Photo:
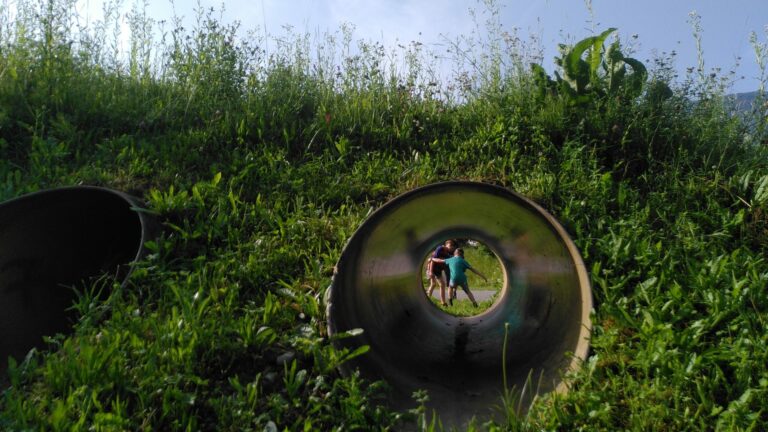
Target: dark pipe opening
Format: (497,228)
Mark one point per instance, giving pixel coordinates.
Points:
(545,302)
(50,242)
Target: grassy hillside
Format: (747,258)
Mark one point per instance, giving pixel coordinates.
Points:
(260,166)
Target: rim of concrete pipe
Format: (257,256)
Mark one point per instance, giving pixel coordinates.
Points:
(54,239)
(545,302)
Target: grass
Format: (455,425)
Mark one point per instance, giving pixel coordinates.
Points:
(464,307)
(260,167)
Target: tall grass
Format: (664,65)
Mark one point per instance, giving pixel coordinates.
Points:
(262,164)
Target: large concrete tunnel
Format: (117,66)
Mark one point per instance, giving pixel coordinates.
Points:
(545,301)
(51,242)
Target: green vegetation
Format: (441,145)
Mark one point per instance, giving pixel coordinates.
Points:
(261,165)
(463,307)
(582,81)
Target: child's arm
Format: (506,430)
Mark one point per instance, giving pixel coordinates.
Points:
(437,260)
(479,274)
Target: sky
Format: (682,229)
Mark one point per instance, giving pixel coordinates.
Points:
(650,27)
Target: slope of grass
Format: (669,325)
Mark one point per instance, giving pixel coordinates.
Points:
(261,167)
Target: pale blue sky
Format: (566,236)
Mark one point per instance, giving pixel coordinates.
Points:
(660,25)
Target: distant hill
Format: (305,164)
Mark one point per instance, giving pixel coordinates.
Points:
(743,101)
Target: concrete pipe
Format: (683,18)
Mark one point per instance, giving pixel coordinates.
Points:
(52,241)
(544,303)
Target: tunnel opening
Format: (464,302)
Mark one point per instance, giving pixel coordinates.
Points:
(52,244)
(476,290)
(541,315)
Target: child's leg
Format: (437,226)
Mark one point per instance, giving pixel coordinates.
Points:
(431,285)
(448,281)
(469,293)
(441,281)
(431,278)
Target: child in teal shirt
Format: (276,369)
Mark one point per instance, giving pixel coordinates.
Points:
(458,266)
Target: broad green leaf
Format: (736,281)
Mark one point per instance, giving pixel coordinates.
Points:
(761,193)
(597,52)
(575,70)
(636,80)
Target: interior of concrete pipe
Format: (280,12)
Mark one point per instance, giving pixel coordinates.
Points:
(543,306)
(51,243)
